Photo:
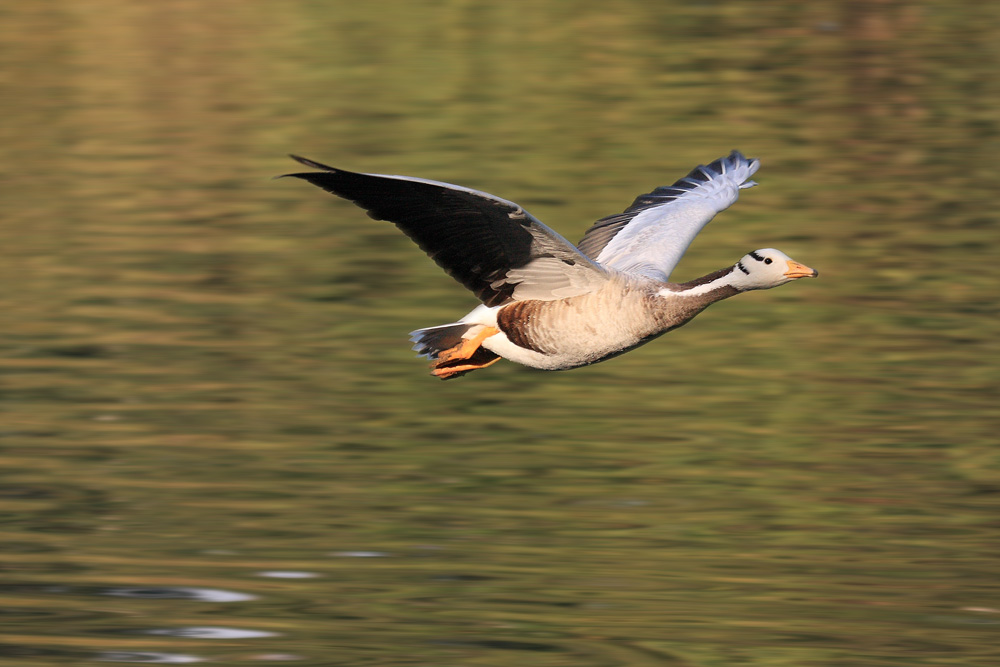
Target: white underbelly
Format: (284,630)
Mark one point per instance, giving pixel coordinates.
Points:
(550,361)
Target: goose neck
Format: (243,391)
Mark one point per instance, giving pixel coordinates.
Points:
(710,288)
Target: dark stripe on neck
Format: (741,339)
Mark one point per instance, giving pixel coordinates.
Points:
(742,268)
(715,275)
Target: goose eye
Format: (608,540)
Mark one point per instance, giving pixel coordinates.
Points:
(767,260)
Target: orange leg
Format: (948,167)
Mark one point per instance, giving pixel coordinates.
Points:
(467,347)
(449,372)
(449,362)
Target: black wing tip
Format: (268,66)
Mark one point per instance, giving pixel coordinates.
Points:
(736,158)
(718,167)
(311,163)
(304,175)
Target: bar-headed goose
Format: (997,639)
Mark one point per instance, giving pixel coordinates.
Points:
(549,304)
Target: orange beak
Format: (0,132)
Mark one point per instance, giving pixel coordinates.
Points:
(796,270)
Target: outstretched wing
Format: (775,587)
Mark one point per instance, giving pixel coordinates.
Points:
(652,234)
(492,246)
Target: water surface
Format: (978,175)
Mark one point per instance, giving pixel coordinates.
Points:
(217,446)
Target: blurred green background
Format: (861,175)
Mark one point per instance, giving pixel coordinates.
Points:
(218,446)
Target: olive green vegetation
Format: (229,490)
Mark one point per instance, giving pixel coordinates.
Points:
(206,374)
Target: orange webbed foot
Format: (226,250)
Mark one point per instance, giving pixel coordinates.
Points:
(469,355)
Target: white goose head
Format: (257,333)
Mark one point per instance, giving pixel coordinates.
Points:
(766,268)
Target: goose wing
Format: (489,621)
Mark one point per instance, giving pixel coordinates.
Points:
(492,246)
(651,235)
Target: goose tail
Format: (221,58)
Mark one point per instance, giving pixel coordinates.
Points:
(454,349)
(430,342)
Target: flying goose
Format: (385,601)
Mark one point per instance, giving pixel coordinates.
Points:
(549,304)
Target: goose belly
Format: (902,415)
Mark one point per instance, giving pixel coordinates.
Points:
(562,334)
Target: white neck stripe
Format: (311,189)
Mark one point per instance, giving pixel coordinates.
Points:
(698,290)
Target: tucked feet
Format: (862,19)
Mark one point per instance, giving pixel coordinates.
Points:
(469,355)
(481,359)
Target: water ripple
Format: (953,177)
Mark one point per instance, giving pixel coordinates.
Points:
(184,593)
(207,632)
(360,554)
(148,656)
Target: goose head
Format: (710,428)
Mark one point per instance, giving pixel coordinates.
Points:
(766,268)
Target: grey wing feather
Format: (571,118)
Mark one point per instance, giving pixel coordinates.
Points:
(652,234)
(492,246)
